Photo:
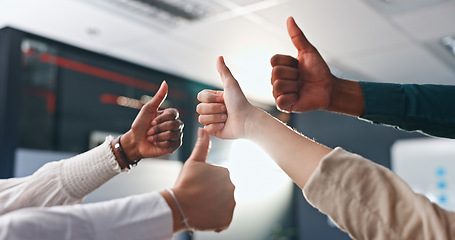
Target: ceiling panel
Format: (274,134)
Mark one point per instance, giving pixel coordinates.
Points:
(75,23)
(245,2)
(428,23)
(403,64)
(391,7)
(170,54)
(338,27)
(356,37)
(246,46)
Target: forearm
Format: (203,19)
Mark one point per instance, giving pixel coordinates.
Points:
(60,183)
(428,108)
(347,98)
(85,172)
(176,218)
(296,154)
(371,202)
(137,217)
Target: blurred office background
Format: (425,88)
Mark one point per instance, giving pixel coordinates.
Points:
(75,71)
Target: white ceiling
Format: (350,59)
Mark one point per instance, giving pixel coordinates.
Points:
(372,40)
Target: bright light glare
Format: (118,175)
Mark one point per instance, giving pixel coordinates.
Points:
(252,66)
(263,194)
(254,173)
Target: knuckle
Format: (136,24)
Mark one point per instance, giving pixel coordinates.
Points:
(201,119)
(274,93)
(168,135)
(275,71)
(279,85)
(164,144)
(174,145)
(174,125)
(174,113)
(134,127)
(199,108)
(276,84)
(274,59)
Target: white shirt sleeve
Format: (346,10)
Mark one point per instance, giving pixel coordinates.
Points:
(145,216)
(60,183)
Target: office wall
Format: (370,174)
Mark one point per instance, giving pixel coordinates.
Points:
(358,136)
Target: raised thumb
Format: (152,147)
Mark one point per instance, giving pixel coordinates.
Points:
(151,108)
(201,148)
(226,76)
(297,37)
(157,100)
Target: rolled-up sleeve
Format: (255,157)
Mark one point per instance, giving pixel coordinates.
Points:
(369,201)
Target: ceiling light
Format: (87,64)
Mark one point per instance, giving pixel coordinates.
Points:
(158,12)
(181,9)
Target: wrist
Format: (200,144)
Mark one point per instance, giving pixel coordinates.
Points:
(346,97)
(178,224)
(118,156)
(129,146)
(253,122)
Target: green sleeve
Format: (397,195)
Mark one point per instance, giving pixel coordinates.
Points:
(426,108)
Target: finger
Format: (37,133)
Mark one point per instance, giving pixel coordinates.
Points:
(210,108)
(167,115)
(285,102)
(155,102)
(285,60)
(174,125)
(226,76)
(215,127)
(285,72)
(201,148)
(171,145)
(165,136)
(150,109)
(298,38)
(159,97)
(210,96)
(281,87)
(212,118)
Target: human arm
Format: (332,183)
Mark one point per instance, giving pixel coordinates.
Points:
(153,133)
(426,108)
(204,192)
(297,155)
(369,201)
(364,199)
(305,83)
(144,216)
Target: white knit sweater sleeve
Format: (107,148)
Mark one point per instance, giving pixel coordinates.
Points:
(60,183)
